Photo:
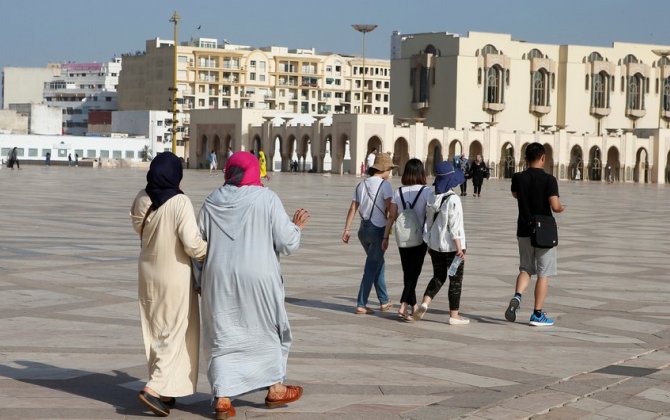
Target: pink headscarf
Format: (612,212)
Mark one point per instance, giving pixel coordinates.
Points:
(242,168)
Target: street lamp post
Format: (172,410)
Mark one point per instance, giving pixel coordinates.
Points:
(364,29)
(174,19)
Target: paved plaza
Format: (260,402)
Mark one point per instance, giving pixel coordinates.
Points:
(71,344)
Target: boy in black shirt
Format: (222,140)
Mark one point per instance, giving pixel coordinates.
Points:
(537,194)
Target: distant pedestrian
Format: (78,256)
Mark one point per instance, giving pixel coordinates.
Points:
(14,158)
(478,172)
(76,159)
(462,164)
(536,193)
(444,233)
(229,152)
(608,173)
(48,159)
(370,160)
(263,164)
(372,199)
(69,159)
(212,163)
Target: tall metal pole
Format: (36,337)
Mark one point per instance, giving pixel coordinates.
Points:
(175,19)
(364,29)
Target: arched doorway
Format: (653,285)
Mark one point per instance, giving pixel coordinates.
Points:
(276,154)
(614,164)
(326,154)
(203,153)
(523,165)
(476,149)
(430,165)
(641,172)
(374,143)
(304,153)
(576,168)
(400,154)
(455,148)
(227,142)
(595,164)
(548,159)
(507,162)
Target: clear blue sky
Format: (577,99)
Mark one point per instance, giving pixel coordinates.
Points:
(34,32)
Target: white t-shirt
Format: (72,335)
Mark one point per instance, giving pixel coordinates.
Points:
(371,160)
(365,192)
(409,192)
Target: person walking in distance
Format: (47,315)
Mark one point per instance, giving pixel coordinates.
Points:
(212,163)
(370,160)
(536,193)
(478,171)
(462,164)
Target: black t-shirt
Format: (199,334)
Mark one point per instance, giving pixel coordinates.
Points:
(533,187)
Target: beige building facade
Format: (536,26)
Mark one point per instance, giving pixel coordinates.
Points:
(485,78)
(214,76)
(24,85)
(640,155)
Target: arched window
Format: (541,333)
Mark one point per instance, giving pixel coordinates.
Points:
(494,85)
(430,49)
(539,87)
(666,94)
(635,93)
(595,56)
(535,53)
(489,49)
(630,58)
(600,92)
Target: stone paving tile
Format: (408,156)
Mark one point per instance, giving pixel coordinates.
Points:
(562,414)
(69,329)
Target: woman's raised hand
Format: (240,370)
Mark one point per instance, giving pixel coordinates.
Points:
(300,218)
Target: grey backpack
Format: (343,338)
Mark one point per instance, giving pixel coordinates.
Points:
(407,230)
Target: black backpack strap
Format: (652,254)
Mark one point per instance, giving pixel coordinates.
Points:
(445,198)
(402,199)
(411,206)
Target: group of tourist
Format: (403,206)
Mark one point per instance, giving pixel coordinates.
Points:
(230,256)
(425,219)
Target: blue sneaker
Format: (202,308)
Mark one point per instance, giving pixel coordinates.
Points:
(541,321)
(510,313)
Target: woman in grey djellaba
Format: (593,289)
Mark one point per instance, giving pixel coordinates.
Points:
(244,320)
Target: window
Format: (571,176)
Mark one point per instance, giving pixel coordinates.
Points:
(494,85)
(600,92)
(261,77)
(90,153)
(159,123)
(117,154)
(104,154)
(261,66)
(666,94)
(108,99)
(182,59)
(252,76)
(535,53)
(635,95)
(159,139)
(329,69)
(539,87)
(252,64)
(45,151)
(130,154)
(489,49)
(32,152)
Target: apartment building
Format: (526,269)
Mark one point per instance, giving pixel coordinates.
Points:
(24,85)
(213,75)
(82,87)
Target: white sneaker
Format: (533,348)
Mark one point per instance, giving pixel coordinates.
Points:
(420,312)
(458,321)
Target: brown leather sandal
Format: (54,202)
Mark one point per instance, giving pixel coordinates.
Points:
(293,393)
(224,409)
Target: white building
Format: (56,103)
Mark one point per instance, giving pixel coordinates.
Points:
(82,87)
(155,125)
(33,148)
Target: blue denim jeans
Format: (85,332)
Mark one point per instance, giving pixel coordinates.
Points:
(371,238)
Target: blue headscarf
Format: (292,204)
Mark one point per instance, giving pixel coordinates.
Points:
(163,178)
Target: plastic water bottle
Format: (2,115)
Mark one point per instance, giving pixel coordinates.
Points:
(454,266)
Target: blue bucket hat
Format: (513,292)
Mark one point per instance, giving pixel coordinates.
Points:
(447,177)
